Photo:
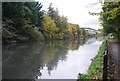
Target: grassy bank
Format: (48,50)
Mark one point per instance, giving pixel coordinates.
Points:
(96,68)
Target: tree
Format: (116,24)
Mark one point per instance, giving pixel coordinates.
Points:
(49,27)
(110,18)
(54,14)
(19,20)
(73,30)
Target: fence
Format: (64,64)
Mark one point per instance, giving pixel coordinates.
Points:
(105,63)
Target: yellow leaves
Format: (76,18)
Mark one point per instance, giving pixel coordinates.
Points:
(48,23)
(72,28)
(111,10)
(49,26)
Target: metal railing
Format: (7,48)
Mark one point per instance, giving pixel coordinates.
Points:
(105,63)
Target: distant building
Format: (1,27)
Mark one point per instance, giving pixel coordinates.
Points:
(92,31)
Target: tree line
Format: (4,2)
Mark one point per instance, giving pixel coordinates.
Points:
(110,18)
(26,21)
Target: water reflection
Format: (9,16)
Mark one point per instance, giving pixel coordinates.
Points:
(41,59)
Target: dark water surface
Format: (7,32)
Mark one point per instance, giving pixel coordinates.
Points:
(48,60)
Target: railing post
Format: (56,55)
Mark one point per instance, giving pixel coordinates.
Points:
(105,63)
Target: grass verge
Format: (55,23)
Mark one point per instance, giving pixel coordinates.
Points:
(96,68)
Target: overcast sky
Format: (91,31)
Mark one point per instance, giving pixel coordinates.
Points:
(76,11)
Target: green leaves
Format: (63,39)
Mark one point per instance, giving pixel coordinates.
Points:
(19,18)
(65,29)
(96,68)
(110,18)
(24,21)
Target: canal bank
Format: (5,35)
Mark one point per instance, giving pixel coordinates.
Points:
(113,59)
(96,68)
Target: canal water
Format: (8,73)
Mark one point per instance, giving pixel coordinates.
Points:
(58,59)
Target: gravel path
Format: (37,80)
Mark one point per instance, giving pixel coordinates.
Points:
(113,59)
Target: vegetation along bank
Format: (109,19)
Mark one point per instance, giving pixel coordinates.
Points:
(26,21)
(96,68)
